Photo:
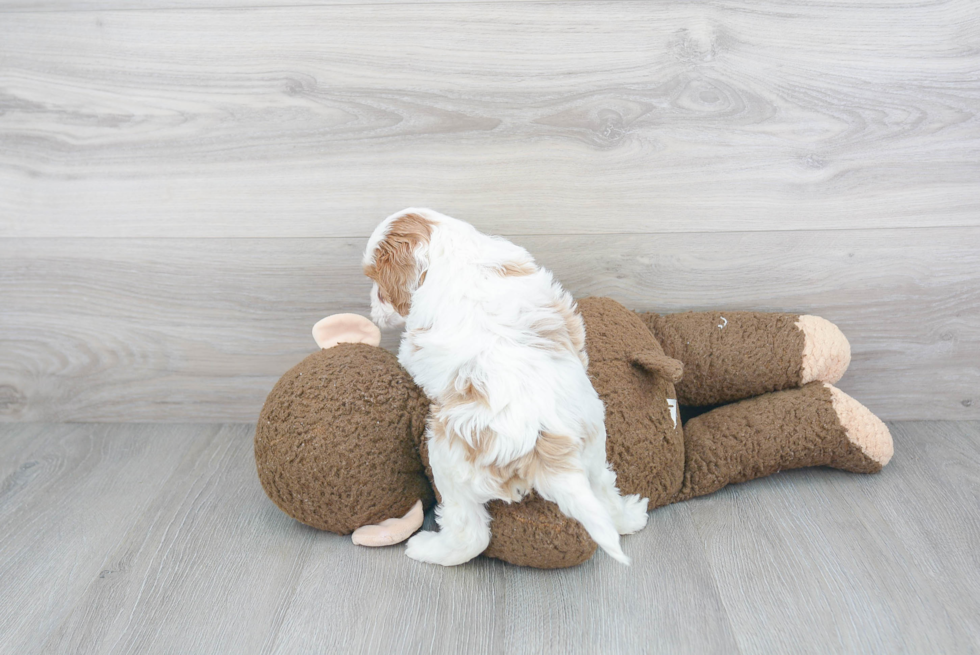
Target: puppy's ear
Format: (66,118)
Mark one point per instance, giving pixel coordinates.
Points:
(397,267)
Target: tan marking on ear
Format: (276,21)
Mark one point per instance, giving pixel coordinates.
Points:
(394,266)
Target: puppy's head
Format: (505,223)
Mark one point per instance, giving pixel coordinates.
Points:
(396,259)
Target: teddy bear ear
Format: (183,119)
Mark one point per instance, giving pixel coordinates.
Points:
(660,364)
(345,328)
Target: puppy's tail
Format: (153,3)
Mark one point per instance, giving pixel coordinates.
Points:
(573,495)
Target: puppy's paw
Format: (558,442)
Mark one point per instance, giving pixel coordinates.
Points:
(633,516)
(436,548)
(418,546)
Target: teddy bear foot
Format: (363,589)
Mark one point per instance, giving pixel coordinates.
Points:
(826,351)
(862,428)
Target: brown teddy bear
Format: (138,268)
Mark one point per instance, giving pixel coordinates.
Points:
(339,444)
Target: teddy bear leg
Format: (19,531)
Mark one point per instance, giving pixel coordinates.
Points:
(729,356)
(816,425)
(572,492)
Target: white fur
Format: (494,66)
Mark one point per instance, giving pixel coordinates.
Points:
(468,324)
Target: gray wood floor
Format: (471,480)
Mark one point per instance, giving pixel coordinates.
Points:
(158,539)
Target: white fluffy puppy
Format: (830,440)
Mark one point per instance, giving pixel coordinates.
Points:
(499,348)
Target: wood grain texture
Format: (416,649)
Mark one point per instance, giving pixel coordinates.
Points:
(20,6)
(525,118)
(823,551)
(73,494)
(205,538)
(181,329)
(159,539)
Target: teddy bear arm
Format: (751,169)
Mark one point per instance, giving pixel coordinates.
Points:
(816,425)
(729,356)
(390,531)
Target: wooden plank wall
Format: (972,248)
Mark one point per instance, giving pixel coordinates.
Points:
(185,190)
